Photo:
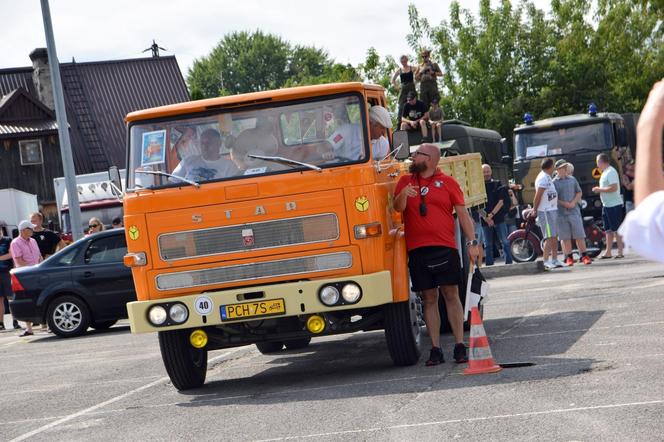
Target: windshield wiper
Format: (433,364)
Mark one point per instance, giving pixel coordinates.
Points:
(156,172)
(286,161)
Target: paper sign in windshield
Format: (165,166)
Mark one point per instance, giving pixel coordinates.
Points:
(536,151)
(153,148)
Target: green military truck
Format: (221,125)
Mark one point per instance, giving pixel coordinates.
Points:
(578,139)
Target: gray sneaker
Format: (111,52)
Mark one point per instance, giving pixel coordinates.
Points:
(557,263)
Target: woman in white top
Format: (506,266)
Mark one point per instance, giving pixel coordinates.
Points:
(643,229)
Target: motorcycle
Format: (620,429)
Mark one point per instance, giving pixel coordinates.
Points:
(526,243)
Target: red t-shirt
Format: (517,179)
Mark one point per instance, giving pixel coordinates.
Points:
(437,227)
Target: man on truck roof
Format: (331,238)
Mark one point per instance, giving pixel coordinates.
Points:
(428,198)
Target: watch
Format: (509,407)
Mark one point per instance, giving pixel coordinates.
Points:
(472,243)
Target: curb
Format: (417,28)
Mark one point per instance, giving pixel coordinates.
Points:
(525,268)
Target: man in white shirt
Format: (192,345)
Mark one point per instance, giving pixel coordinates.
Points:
(546,205)
(379,121)
(210,164)
(612,204)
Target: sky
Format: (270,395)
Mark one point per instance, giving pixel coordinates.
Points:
(95,30)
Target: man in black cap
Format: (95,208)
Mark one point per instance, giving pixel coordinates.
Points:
(415,115)
(427,74)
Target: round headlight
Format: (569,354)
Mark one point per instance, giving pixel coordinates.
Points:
(329,295)
(597,203)
(157,315)
(351,293)
(178,313)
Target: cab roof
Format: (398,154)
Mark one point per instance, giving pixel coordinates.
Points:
(250,98)
(566,121)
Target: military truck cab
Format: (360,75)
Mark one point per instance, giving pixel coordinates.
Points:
(576,138)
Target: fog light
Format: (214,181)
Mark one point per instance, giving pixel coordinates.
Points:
(198,339)
(316,324)
(597,203)
(329,295)
(351,293)
(157,315)
(178,313)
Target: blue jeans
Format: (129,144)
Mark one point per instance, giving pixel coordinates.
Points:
(501,230)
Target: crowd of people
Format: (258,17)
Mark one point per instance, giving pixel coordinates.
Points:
(32,245)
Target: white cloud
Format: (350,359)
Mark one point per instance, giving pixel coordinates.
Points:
(95,30)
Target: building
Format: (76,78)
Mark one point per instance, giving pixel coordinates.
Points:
(98,95)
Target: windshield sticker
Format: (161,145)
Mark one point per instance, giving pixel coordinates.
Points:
(362,204)
(255,171)
(556,151)
(153,148)
(536,151)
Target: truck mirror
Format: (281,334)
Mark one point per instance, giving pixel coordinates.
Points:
(507,160)
(400,140)
(621,136)
(114,178)
(504,148)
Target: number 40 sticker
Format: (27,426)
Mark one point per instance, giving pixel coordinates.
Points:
(203,305)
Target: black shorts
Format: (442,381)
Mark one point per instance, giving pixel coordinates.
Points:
(433,266)
(5,285)
(612,217)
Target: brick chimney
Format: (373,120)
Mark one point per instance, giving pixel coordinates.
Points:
(41,76)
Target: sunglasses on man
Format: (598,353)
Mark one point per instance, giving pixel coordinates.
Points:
(93,225)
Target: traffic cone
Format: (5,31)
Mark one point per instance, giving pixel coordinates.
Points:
(480,360)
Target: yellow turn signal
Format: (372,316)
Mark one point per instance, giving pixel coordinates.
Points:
(198,339)
(315,324)
(370,230)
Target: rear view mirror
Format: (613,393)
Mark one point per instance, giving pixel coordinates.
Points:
(504,147)
(621,136)
(114,178)
(400,141)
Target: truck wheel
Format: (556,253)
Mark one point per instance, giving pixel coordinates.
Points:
(297,344)
(68,316)
(403,332)
(185,365)
(103,325)
(269,347)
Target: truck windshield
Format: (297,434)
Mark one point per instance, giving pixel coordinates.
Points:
(563,141)
(240,142)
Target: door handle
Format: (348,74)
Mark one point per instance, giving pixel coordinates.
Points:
(88,274)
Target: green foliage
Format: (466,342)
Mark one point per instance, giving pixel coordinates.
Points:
(249,62)
(379,71)
(513,59)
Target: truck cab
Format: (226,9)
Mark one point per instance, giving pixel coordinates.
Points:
(576,138)
(266,219)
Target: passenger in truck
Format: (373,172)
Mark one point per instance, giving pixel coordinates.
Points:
(210,164)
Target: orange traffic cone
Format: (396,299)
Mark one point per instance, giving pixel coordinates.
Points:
(480,360)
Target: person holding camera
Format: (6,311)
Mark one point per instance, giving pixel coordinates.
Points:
(427,74)
(428,199)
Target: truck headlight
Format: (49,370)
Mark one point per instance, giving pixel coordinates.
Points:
(157,315)
(178,313)
(329,295)
(351,293)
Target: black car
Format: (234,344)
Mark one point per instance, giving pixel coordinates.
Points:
(84,285)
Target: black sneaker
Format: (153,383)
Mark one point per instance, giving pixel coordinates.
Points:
(460,354)
(16,325)
(435,357)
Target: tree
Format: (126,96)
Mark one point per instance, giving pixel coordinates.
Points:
(249,62)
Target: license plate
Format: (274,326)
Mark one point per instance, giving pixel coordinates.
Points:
(252,309)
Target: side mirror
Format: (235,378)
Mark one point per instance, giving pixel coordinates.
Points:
(114,178)
(504,148)
(507,160)
(621,136)
(400,138)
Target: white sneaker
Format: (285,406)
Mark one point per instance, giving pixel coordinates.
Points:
(557,263)
(549,265)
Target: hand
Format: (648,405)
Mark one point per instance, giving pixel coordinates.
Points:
(411,191)
(490,222)
(653,111)
(413,124)
(595,189)
(473,253)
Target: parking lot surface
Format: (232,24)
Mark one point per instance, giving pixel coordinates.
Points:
(594,335)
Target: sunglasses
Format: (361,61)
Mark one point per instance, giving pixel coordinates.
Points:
(416,153)
(93,225)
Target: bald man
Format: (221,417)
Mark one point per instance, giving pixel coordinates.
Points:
(497,206)
(428,199)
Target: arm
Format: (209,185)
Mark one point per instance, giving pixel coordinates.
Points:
(394,78)
(61,245)
(6,257)
(648,170)
(418,73)
(436,71)
(575,201)
(401,200)
(538,197)
(610,188)
(468,229)
(20,261)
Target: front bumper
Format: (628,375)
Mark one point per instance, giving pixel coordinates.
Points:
(301,298)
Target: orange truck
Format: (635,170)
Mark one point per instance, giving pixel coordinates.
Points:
(265,219)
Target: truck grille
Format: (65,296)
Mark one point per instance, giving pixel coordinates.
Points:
(245,272)
(266,234)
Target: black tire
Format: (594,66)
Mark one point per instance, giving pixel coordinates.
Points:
(403,332)
(297,344)
(185,365)
(68,316)
(103,325)
(522,250)
(269,347)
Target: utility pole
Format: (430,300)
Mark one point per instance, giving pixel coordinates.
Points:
(63,126)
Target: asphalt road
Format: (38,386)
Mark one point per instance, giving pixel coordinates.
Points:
(594,333)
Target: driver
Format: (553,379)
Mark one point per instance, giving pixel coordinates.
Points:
(254,142)
(347,140)
(210,164)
